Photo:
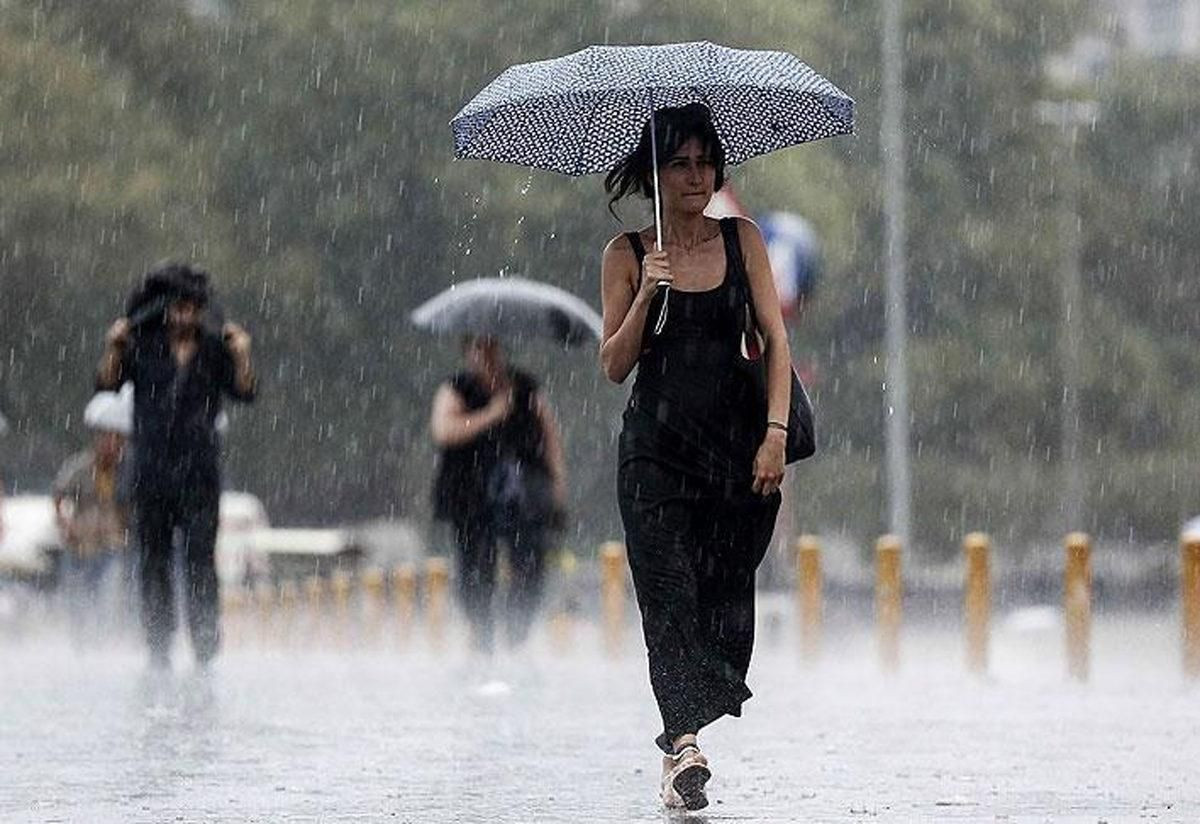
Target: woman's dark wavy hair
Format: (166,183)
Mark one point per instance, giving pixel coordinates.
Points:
(672,128)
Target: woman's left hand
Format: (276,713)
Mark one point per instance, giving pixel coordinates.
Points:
(768,463)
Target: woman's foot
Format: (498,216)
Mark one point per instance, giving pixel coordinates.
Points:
(684,775)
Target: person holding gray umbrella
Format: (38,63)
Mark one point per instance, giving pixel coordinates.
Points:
(501,479)
(501,475)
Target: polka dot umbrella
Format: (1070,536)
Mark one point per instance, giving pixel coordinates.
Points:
(584,112)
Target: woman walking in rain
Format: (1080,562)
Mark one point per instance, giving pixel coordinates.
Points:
(501,477)
(700,463)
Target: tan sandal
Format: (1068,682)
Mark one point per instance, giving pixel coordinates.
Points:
(684,777)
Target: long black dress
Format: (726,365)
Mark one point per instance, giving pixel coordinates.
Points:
(694,529)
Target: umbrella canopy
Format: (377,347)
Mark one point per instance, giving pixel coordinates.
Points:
(584,112)
(509,308)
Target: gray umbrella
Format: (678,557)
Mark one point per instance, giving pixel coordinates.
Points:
(513,308)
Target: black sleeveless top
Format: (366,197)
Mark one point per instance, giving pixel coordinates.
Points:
(461,485)
(691,406)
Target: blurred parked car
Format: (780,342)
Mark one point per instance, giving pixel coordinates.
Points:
(389,542)
(1191,529)
(29,546)
(300,552)
(238,560)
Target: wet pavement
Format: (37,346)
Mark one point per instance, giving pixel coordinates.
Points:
(562,732)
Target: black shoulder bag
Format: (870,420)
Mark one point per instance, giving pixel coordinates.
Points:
(801,433)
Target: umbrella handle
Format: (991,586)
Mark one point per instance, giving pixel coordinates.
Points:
(662,313)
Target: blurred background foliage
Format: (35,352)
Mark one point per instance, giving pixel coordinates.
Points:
(300,151)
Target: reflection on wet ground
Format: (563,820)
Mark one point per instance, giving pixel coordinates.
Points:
(312,735)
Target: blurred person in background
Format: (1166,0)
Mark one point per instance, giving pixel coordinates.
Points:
(501,478)
(182,360)
(92,521)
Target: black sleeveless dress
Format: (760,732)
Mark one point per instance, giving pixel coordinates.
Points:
(695,531)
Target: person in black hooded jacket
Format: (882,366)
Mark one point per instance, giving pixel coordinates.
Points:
(182,361)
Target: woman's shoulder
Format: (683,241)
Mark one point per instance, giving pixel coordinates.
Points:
(622,243)
(745,225)
(748,231)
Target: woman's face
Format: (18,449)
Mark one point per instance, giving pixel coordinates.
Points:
(484,355)
(687,178)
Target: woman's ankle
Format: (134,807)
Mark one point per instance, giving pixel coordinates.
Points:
(684,741)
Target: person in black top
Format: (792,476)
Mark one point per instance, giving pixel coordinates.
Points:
(501,478)
(699,465)
(182,362)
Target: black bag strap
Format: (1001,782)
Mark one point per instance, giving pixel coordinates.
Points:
(639,250)
(737,270)
(735,260)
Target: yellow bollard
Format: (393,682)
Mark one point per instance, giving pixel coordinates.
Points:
(977,600)
(289,597)
(1190,603)
(404,598)
(437,583)
(373,607)
(341,585)
(233,618)
(888,598)
(808,595)
(264,600)
(562,620)
(1077,604)
(314,591)
(314,605)
(612,593)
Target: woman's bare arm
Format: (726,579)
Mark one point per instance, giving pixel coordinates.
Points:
(768,466)
(556,461)
(625,297)
(452,424)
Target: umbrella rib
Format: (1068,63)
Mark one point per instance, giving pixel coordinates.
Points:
(587,130)
(707,103)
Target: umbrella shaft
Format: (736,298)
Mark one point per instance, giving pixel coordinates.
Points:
(654,171)
(662,313)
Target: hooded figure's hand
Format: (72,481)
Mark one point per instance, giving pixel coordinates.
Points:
(237,339)
(118,334)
